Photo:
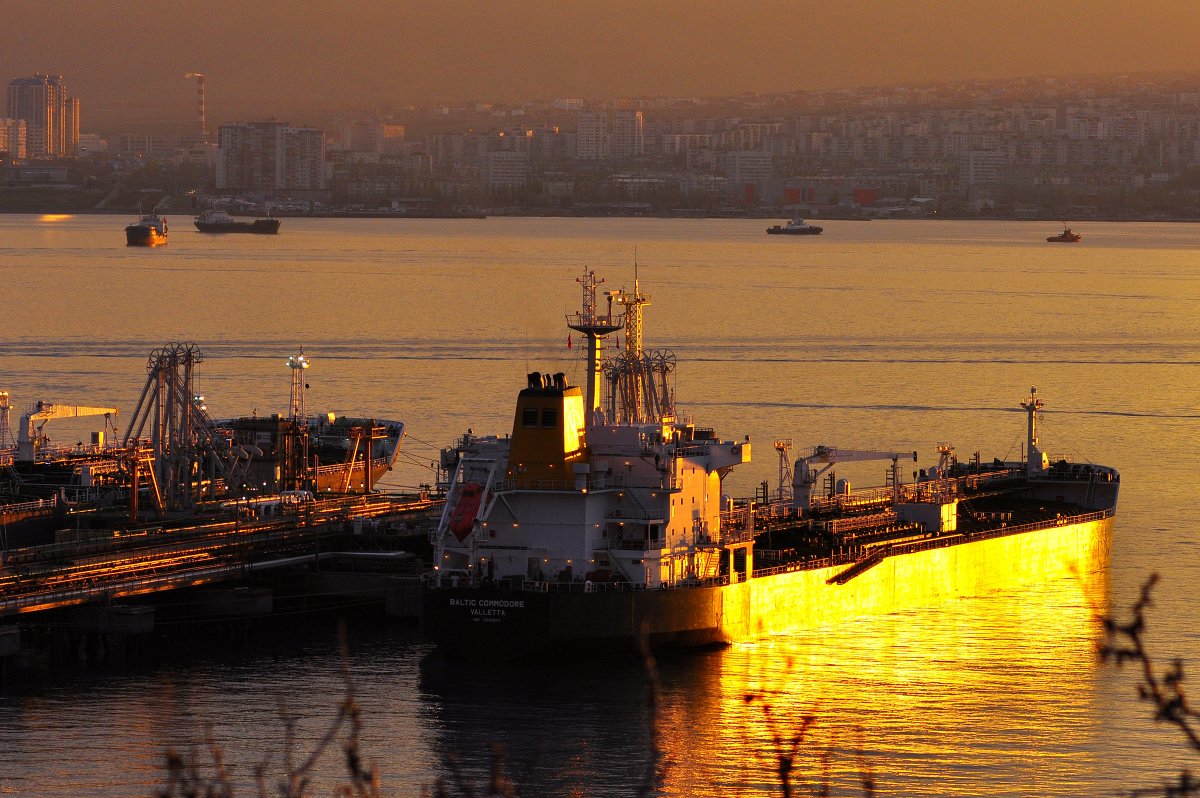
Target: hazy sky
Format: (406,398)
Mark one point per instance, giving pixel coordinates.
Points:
(276,57)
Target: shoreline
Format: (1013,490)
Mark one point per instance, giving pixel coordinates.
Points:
(592,214)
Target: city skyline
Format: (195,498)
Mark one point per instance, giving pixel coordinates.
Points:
(276,59)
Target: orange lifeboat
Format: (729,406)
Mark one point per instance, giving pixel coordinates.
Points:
(463,516)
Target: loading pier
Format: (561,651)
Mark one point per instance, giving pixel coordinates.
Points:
(137,560)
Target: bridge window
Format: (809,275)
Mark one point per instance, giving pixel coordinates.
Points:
(529,417)
(550,417)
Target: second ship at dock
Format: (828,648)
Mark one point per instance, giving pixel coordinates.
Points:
(175,458)
(602,522)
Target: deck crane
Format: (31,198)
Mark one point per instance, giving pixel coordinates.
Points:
(806,474)
(31,440)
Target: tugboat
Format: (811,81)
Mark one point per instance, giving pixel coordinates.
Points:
(1067,236)
(796,227)
(149,230)
(602,523)
(215,221)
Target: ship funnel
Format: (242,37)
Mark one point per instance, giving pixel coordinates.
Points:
(533,380)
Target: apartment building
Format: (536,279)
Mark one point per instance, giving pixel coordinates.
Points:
(13,138)
(626,136)
(51,117)
(269,157)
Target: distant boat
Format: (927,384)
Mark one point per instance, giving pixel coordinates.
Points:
(796,227)
(1067,236)
(149,230)
(214,221)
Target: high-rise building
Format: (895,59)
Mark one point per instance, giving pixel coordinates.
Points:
(51,118)
(627,140)
(591,140)
(270,156)
(70,127)
(12,137)
(505,169)
(747,166)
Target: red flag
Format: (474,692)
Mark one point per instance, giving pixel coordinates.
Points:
(568,340)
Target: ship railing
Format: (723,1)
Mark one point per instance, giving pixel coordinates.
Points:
(939,491)
(337,468)
(592,482)
(638,544)
(737,517)
(872,497)
(774,510)
(737,534)
(635,514)
(1078,472)
(25,507)
(806,564)
(840,526)
(56,453)
(574,586)
(976,481)
(942,541)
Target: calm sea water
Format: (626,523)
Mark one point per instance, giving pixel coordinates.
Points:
(873,335)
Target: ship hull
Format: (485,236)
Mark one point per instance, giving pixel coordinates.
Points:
(136,236)
(783,231)
(348,477)
(519,623)
(259,226)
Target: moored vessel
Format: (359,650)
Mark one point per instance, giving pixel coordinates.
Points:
(174,456)
(795,227)
(601,520)
(1067,236)
(149,230)
(217,221)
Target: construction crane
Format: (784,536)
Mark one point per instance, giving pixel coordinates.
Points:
(199,103)
(31,440)
(805,481)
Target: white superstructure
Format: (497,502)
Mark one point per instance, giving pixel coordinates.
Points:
(571,496)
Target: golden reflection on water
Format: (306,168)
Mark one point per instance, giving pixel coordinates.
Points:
(985,696)
(55,217)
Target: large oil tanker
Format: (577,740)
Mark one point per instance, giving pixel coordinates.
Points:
(600,521)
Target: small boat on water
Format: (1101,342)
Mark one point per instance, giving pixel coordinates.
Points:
(215,221)
(149,230)
(1067,236)
(796,227)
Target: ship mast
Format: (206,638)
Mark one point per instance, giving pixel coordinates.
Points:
(298,363)
(634,364)
(6,438)
(296,474)
(595,327)
(1033,456)
(633,316)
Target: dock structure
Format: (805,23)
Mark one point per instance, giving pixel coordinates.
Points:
(243,538)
